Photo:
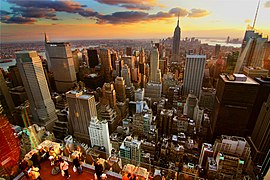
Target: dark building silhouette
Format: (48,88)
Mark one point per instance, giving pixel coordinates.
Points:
(263,93)
(92,57)
(234,102)
(260,138)
(129,51)
(176,43)
(15,76)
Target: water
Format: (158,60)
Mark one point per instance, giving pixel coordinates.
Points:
(7,64)
(13,62)
(222,42)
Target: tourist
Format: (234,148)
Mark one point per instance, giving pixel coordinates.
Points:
(52,155)
(34,173)
(24,167)
(35,160)
(56,168)
(77,164)
(98,169)
(126,177)
(64,168)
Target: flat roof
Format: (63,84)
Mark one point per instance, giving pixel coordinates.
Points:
(195,56)
(248,81)
(85,96)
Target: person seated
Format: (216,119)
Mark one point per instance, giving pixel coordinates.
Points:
(56,168)
(52,155)
(34,173)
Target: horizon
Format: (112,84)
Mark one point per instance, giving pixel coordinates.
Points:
(105,39)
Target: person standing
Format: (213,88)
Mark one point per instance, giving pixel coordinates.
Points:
(64,167)
(35,160)
(24,167)
(98,169)
(77,164)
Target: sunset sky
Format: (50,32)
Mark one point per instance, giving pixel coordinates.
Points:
(24,20)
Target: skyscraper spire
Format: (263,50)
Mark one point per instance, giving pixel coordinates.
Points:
(46,38)
(255,18)
(176,43)
(178,19)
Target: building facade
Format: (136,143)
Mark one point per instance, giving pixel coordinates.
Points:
(193,75)
(35,84)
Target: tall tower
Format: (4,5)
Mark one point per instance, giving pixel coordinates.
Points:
(176,43)
(92,57)
(193,75)
(234,100)
(120,89)
(109,94)
(82,109)
(155,74)
(260,136)
(60,62)
(36,87)
(125,73)
(154,87)
(106,64)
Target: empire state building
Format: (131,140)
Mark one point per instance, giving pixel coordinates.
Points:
(176,44)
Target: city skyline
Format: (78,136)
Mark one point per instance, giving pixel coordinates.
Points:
(101,19)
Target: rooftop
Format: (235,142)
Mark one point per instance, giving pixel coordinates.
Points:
(249,81)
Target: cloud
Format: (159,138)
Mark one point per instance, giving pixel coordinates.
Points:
(122,17)
(247,21)
(196,13)
(267,4)
(17,20)
(33,12)
(132,4)
(47,9)
(4,13)
(125,17)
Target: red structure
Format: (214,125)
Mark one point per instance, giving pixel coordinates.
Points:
(9,147)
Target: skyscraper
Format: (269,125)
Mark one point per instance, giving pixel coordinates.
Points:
(154,87)
(252,54)
(82,109)
(176,44)
(125,73)
(36,87)
(234,101)
(109,94)
(60,62)
(92,58)
(260,136)
(193,75)
(120,89)
(155,74)
(106,64)
(15,76)
(5,96)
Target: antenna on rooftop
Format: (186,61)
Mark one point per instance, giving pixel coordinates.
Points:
(255,18)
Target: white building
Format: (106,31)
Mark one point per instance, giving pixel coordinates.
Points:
(99,134)
(193,74)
